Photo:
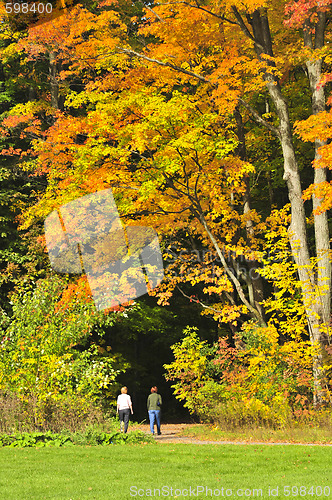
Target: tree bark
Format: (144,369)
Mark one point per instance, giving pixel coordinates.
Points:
(56,100)
(314,69)
(297,229)
(254,280)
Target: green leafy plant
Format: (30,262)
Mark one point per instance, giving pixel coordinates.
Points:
(91,438)
(43,358)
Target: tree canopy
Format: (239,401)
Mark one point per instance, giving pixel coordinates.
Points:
(211,122)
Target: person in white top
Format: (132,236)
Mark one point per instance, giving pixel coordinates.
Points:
(123,408)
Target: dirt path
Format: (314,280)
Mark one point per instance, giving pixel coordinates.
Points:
(171,434)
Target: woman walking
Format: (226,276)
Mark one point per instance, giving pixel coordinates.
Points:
(154,403)
(123,408)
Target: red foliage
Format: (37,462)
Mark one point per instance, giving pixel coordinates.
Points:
(302,10)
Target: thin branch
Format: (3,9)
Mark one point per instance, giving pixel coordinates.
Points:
(171,184)
(259,119)
(198,301)
(161,211)
(230,298)
(155,13)
(184,170)
(160,63)
(199,7)
(230,274)
(196,186)
(242,24)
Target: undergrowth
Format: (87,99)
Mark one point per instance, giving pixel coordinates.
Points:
(90,437)
(293,434)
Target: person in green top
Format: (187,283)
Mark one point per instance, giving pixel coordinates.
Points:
(154,403)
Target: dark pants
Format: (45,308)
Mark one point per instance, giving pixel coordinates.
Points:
(124,417)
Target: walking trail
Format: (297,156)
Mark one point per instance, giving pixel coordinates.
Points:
(171,433)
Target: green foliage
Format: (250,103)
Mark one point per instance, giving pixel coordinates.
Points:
(91,438)
(189,368)
(34,439)
(22,256)
(43,358)
(94,437)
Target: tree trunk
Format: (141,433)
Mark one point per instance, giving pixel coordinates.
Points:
(314,68)
(54,86)
(297,229)
(254,280)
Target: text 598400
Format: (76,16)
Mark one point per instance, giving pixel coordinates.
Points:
(26,8)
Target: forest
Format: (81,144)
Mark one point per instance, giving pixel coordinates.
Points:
(210,123)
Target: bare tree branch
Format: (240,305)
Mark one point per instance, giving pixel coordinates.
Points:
(259,119)
(160,63)
(155,13)
(161,211)
(198,301)
(197,6)
(242,24)
(255,313)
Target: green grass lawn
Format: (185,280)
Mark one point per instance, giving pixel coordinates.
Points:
(109,472)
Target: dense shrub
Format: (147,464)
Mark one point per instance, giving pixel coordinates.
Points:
(68,412)
(12,414)
(50,374)
(258,381)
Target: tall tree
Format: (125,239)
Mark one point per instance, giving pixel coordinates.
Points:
(160,124)
(254,20)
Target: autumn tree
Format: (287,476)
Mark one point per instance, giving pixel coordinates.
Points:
(162,117)
(263,41)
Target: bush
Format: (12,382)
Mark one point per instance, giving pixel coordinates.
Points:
(71,412)
(214,404)
(259,381)
(12,415)
(35,439)
(251,413)
(91,438)
(47,361)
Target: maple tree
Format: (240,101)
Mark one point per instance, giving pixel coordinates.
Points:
(254,20)
(159,107)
